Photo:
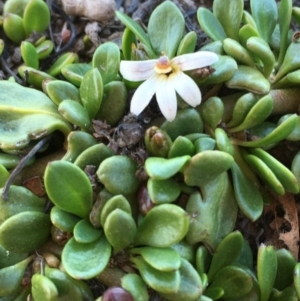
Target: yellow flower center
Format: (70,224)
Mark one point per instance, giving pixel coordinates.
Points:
(163,65)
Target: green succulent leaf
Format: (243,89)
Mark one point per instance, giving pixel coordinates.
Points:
(13,27)
(33,76)
(26,114)
(114,103)
(163,191)
(229,13)
(93,155)
(188,43)
(67,287)
(69,188)
(91,91)
(202,260)
(234,281)
(265,173)
(29,55)
(137,30)
(288,294)
(78,141)
(162,169)
(63,220)
(4,175)
(179,126)
(128,39)
(117,201)
(223,142)
(20,199)
(246,193)
(296,277)
(36,16)
(43,288)
(117,173)
(162,259)
(290,62)
(162,282)
(212,111)
(212,218)
(265,14)
(256,115)
(86,260)
(206,166)
(266,270)
(225,68)
(180,147)
(226,252)
(278,134)
(107,59)
(59,90)
(166,28)
(11,277)
(249,79)
(210,24)
(284,175)
(238,52)
(285,269)
(163,226)
(64,60)
(260,48)
(85,232)
(25,231)
(241,109)
(75,113)
(44,49)
(135,285)
(74,73)
(190,284)
(120,229)
(15,7)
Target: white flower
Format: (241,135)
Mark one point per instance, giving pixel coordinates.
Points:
(165,77)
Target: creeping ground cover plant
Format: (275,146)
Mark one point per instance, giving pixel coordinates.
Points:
(158,167)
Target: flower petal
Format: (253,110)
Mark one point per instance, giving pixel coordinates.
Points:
(137,70)
(143,95)
(186,88)
(195,60)
(166,97)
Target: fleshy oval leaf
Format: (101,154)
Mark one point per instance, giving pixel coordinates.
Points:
(36,16)
(91,91)
(163,191)
(25,231)
(107,59)
(206,166)
(163,226)
(117,173)
(210,24)
(85,232)
(119,229)
(43,288)
(250,79)
(59,90)
(162,259)
(63,220)
(229,13)
(163,282)
(190,284)
(69,188)
(247,194)
(85,261)
(161,169)
(166,28)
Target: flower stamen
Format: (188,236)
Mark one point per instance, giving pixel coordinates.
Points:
(163,65)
